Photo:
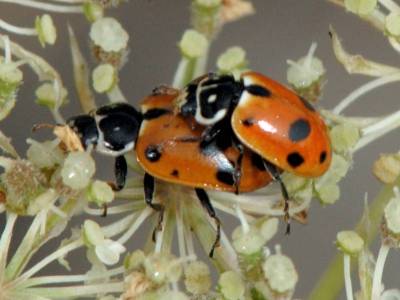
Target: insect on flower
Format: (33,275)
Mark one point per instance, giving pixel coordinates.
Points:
(218,133)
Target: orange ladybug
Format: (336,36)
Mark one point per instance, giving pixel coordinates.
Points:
(265,116)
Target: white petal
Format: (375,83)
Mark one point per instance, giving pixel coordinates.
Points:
(109,251)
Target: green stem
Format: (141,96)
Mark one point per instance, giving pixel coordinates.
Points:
(331,282)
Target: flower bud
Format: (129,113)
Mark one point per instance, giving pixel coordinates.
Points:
(193,44)
(269,228)
(231,285)
(280,273)
(197,278)
(47,96)
(108,34)
(10,80)
(104,78)
(134,260)
(77,170)
(349,242)
(45,30)
(92,233)
(360,7)
(387,167)
(162,268)
(328,193)
(344,137)
(93,11)
(100,192)
(233,60)
(248,243)
(392,214)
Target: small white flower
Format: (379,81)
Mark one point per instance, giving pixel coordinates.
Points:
(231,285)
(193,44)
(109,251)
(232,59)
(109,35)
(392,213)
(349,242)
(104,77)
(47,95)
(100,192)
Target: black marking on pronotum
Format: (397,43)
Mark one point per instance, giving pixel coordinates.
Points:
(248,122)
(258,90)
(307,104)
(175,173)
(322,157)
(226,177)
(153,153)
(155,113)
(299,130)
(295,159)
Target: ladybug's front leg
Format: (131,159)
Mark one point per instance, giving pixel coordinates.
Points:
(205,202)
(148,183)
(275,173)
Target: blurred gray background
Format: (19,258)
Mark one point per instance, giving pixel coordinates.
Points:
(279,30)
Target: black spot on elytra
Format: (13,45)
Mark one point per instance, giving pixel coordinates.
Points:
(299,130)
(153,153)
(307,104)
(155,113)
(175,173)
(322,157)
(226,177)
(258,90)
(295,159)
(248,122)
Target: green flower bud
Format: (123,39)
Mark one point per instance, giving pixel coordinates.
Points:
(92,233)
(248,243)
(360,7)
(208,3)
(77,170)
(45,30)
(392,215)
(197,278)
(134,260)
(280,273)
(328,193)
(344,137)
(93,11)
(104,78)
(349,242)
(232,60)
(193,44)
(162,268)
(387,167)
(231,285)
(10,80)
(269,228)
(100,192)
(46,96)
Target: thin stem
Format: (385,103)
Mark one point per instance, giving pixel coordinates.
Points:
(47,6)
(377,278)
(331,282)
(44,280)
(242,218)
(77,291)
(347,277)
(52,257)
(160,233)
(356,94)
(394,43)
(390,5)
(16,29)
(180,230)
(184,72)
(5,242)
(7,49)
(117,209)
(139,221)
(116,95)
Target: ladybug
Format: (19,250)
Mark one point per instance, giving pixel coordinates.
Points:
(265,116)
(169,148)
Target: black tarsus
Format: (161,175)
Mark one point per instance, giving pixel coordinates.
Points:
(120,171)
(148,182)
(205,202)
(277,177)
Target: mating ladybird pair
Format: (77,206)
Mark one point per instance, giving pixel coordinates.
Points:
(218,133)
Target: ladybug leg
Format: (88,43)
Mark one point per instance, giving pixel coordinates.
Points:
(205,202)
(238,167)
(276,176)
(148,183)
(120,171)
(209,135)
